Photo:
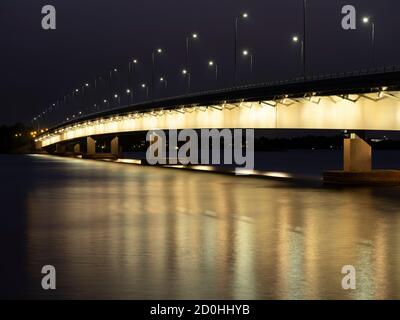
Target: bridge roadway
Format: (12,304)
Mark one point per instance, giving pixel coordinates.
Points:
(354,101)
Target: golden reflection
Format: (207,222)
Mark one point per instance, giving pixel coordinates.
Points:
(138,232)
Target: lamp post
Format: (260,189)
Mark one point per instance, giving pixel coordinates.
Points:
(297,39)
(212,64)
(186,73)
(145,87)
(85,86)
(130,94)
(239,17)
(105,101)
(303,46)
(246,53)
(75,101)
(366,21)
(130,68)
(117,97)
(115,70)
(153,58)
(164,81)
(95,87)
(187,62)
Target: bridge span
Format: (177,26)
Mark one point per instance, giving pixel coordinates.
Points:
(353,102)
(350,102)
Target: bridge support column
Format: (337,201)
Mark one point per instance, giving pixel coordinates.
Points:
(38,145)
(60,148)
(77,148)
(115,146)
(91,146)
(356,155)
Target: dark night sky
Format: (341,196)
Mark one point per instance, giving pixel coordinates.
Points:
(38,67)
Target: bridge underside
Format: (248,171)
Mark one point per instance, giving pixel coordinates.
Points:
(373,111)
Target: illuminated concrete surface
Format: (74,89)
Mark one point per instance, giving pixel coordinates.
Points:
(373,111)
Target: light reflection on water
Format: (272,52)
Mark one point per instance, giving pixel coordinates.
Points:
(133,232)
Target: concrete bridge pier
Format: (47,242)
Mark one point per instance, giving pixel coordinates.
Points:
(60,148)
(91,146)
(77,148)
(115,146)
(357,166)
(357,155)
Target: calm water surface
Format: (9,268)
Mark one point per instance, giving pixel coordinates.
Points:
(131,232)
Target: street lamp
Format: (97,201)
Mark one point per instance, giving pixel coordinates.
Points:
(130,94)
(297,39)
(366,21)
(246,53)
(106,103)
(153,58)
(116,97)
(186,73)
(115,70)
(164,81)
(130,67)
(239,17)
(212,64)
(192,36)
(303,43)
(144,86)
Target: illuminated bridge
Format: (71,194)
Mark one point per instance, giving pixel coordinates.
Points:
(351,101)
